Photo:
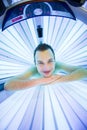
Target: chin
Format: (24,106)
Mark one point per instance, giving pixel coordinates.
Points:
(46,76)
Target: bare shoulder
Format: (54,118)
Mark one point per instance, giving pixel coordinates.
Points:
(66,67)
(27,74)
(60,65)
(30,72)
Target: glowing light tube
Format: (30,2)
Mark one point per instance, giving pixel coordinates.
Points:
(60,106)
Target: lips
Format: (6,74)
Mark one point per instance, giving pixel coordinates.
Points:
(46,72)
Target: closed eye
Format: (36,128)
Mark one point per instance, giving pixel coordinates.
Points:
(50,60)
(40,62)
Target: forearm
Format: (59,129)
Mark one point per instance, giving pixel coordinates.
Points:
(20,84)
(23,84)
(76,75)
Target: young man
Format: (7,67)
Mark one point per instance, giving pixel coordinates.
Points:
(46,68)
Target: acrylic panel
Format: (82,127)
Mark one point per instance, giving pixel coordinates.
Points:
(61,106)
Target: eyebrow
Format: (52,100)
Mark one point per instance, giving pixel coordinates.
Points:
(39,61)
(51,59)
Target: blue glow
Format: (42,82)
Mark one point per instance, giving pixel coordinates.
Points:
(61,106)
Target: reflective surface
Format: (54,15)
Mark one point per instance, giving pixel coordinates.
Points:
(61,106)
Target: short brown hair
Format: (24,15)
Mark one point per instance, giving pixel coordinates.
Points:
(43,47)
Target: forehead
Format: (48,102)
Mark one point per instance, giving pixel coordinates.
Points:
(42,55)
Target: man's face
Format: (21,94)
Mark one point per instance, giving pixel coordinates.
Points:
(45,62)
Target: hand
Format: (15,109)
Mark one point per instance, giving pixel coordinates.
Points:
(48,80)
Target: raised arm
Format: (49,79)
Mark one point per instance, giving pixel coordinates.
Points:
(23,81)
(73,73)
(18,82)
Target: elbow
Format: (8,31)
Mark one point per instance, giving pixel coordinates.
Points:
(82,73)
(6,86)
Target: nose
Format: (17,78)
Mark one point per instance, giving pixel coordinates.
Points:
(46,67)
